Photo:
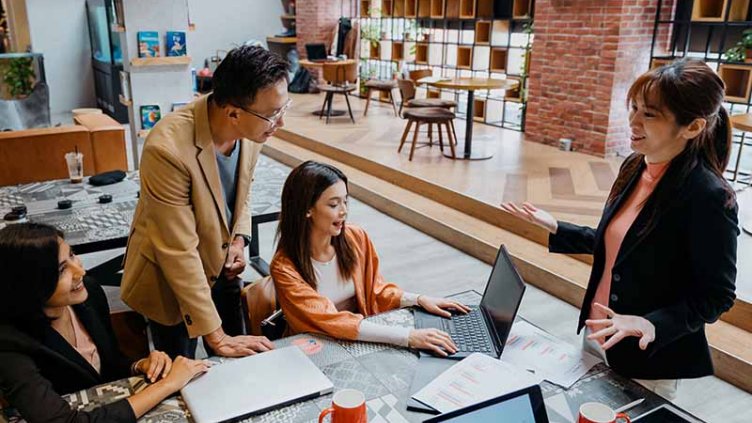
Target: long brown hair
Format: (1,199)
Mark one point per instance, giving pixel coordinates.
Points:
(302,189)
(688,89)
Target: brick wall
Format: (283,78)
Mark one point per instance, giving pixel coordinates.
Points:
(586,53)
(315,20)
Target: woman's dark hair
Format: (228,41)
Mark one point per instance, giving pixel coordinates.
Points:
(29,272)
(302,189)
(688,89)
(243,72)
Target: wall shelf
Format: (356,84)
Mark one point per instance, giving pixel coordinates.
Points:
(143,62)
(375,51)
(437,9)
(485,9)
(464,57)
(398,51)
(738,80)
(498,60)
(433,93)
(411,8)
(479,109)
(483,32)
(386,7)
(282,40)
(424,8)
(399,9)
(715,10)
(452,9)
(515,94)
(658,62)
(467,9)
(521,9)
(123,101)
(421,53)
(365,8)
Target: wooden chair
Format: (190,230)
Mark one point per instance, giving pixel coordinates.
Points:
(381,85)
(407,92)
(430,115)
(419,74)
(340,79)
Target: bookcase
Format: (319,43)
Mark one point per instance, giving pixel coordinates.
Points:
(161,81)
(453,38)
(711,31)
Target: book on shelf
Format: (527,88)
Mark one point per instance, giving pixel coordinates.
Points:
(176,43)
(125,85)
(148,43)
(150,115)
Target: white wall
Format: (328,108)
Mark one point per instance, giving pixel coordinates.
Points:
(59,31)
(224,24)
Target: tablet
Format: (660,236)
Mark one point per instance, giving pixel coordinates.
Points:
(523,406)
(662,414)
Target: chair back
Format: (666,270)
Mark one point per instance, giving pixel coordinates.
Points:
(419,74)
(340,74)
(407,89)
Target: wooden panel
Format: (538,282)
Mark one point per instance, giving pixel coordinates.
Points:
(452,9)
(482,32)
(485,9)
(421,53)
(399,8)
(437,9)
(160,61)
(464,57)
(521,9)
(498,62)
(411,8)
(397,51)
(467,9)
(424,8)
(738,80)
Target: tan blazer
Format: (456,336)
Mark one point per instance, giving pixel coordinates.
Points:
(180,237)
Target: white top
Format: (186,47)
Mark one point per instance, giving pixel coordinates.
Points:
(342,293)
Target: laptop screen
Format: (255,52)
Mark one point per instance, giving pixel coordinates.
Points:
(503,295)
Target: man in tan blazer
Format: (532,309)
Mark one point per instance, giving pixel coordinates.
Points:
(192,221)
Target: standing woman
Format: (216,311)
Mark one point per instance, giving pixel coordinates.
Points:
(665,249)
(326,273)
(56,337)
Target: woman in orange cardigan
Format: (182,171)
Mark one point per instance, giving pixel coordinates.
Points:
(327,276)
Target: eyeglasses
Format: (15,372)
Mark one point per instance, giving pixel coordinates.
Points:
(273,119)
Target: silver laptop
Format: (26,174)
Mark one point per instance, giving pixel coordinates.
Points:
(254,385)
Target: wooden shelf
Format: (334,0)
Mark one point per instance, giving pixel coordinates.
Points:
(424,8)
(521,9)
(514,95)
(421,53)
(437,9)
(142,62)
(738,80)
(464,57)
(485,9)
(365,6)
(143,133)
(411,8)
(452,9)
(657,62)
(467,9)
(386,7)
(498,60)
(117,28)
(483,32)
(282,40)
(398,51)
(715,10)
(398,11)
(433,93)
(375,52)
(288,17)
(479,110)
(123,101)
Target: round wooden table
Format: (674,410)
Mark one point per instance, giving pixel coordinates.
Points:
(470,85)
(742,123)
(319,65)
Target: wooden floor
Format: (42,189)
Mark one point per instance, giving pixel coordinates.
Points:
(421,264)
(571,185)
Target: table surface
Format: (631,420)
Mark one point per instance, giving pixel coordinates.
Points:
(89,222)
(384,374)
(742,122)
(309,64)
(476,84)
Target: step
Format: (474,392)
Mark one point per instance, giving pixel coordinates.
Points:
(560,275)
(740,315)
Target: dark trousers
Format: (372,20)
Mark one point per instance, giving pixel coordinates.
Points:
(174,340)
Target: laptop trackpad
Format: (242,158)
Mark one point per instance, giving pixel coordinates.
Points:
(425,320)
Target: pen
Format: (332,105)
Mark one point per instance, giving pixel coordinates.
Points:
(632,404)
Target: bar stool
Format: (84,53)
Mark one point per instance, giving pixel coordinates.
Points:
(430,115)
(381,85)
(340,79)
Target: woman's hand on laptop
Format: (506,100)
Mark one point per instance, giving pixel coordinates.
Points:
(440,306)
(183,370)
(434,340)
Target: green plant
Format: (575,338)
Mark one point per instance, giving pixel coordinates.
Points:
(736,53)
(371,32)
(527,29)
(20,77)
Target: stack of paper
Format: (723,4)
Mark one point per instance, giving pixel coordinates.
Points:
(474,379)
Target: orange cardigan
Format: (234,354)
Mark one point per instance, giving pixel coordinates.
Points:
(307,311)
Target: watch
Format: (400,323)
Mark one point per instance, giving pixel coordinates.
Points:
(246,239)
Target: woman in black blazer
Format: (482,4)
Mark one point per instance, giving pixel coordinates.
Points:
(47,312)
(675,266)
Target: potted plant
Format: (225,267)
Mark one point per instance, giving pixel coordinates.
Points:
(747,43)
(20,77)
(372,34)
(735,53)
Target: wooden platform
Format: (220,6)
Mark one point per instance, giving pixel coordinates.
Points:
(457,202)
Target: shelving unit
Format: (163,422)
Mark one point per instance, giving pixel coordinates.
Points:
(453,38)
(142,62)
(704,30)
(479,110)
(522,9)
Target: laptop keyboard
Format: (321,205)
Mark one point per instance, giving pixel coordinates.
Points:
(468,331)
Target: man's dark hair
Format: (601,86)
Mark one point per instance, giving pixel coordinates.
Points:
(243,72)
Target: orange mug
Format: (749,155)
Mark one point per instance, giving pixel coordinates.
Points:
(595,412)
(348,406)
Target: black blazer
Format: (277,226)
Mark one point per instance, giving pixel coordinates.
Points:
(33,373)
(679,275)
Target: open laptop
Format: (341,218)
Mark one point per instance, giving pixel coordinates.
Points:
(486,328)
(316,52)
(523,406)
(254,385)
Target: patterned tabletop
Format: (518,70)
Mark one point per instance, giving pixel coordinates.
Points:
(384,374)
(89,224)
